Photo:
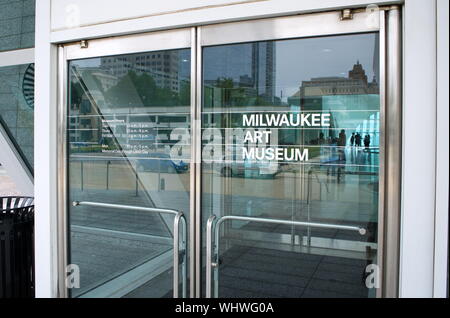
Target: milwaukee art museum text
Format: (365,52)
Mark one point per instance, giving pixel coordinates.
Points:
(263,136)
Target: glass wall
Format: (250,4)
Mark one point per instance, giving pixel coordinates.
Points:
(17,20)
(290,132)
(17,107)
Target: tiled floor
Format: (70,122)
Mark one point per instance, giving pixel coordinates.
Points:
(102,257)
(106,243)
(249,272)
(258,272)
(245,272)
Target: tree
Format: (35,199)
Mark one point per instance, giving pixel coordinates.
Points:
(141,90)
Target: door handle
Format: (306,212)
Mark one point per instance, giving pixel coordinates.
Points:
(178,249)
(210,225)
(212,247)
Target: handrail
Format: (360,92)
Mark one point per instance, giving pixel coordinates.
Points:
(214,226)
(179,216)
(209,230)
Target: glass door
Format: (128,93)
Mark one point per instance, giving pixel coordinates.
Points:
(243,159)
(127,160)
(292,148)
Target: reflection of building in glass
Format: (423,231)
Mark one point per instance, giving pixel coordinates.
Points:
(79,126)
(130,128)
(162,66)
(106,80)
(310,93)
(84,120)
(121,83)
(352,101)
(243,81)
(137,131)
(263,68)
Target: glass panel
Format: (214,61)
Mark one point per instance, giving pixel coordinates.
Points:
(16,24)
(128,143)
(17,108)
(291,132)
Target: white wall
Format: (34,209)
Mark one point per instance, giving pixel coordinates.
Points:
(45,154)
(83,13)
(442,151)
(88,19)
(419,149)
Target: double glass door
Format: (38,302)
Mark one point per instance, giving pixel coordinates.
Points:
(234,160)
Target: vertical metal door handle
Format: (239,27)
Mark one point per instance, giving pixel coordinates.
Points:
(176,255)
(209,232)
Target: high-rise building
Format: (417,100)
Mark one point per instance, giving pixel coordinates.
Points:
(254,73)
(162,66)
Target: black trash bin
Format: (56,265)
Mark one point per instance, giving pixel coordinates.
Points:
(16,247)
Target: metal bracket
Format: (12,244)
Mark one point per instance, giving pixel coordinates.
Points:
(346,14)
(84,44)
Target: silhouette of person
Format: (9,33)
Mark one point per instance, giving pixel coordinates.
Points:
(352,139)
(367,141)
(342,142)
(321,139)
(358,140)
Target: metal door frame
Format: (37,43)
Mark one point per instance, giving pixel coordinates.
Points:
(385,20)
(129,44)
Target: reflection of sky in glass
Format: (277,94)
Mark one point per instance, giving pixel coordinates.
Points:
(303,59)
(293,61)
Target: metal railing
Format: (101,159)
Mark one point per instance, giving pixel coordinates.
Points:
(179,216)
(213,227)
(108,162)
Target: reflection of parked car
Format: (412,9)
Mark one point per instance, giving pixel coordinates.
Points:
(332,155)
(160,162)
(333,159)
(247,169)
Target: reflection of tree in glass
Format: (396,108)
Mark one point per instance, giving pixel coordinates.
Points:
(239,94)
(138,90)
(227,86)
(76,94)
